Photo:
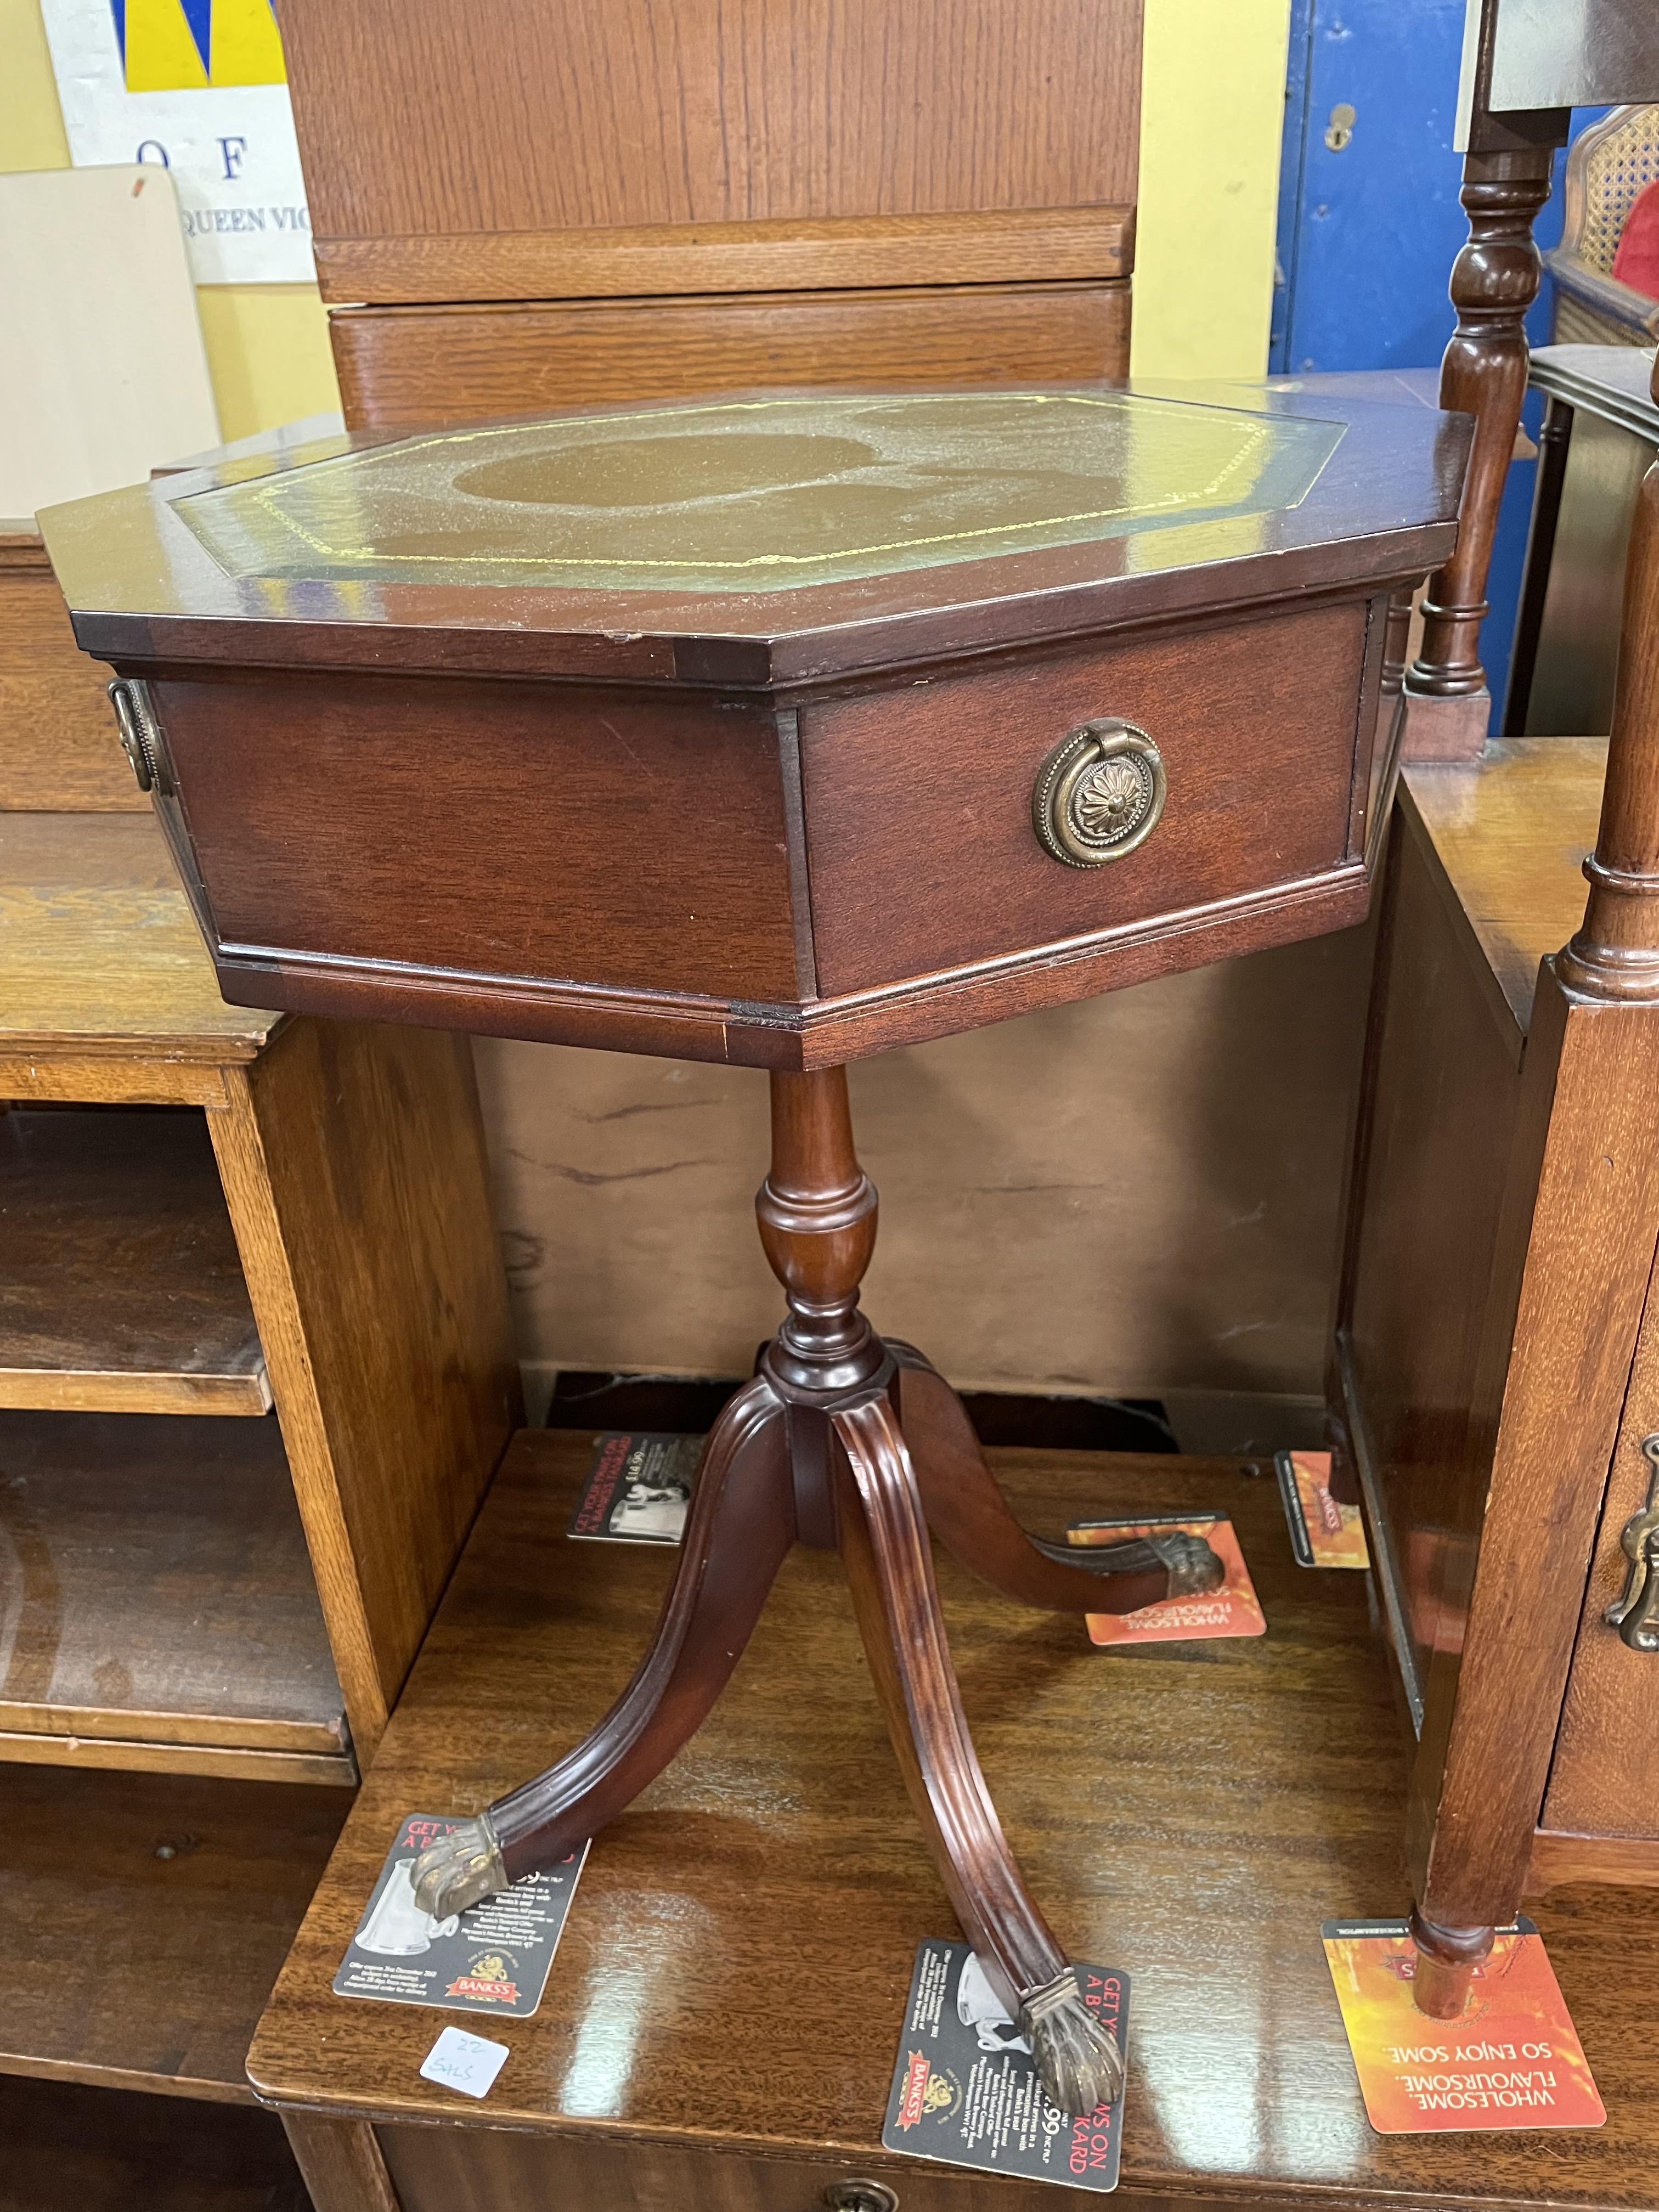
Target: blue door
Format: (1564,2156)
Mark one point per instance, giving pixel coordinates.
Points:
(1369,223)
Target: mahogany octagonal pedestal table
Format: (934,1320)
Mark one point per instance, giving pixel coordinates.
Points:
(781,729)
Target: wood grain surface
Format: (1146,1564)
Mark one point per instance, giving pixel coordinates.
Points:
(622,843)
(919,803)
(155,1589)
(103,957)
(75,2149)
(809,253)
(353,1163)
(406,368)
(727,1997)
(147,1918)
(757,114)
(58,749)
(122,1291)
(1510,833)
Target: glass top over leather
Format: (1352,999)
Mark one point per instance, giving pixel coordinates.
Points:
(760,495)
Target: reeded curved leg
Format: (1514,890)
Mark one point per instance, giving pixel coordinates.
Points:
(741,1523)
(968,1513)
(883,1538)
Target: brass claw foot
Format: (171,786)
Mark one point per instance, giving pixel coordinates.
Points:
(459,1870)
(1077,2059)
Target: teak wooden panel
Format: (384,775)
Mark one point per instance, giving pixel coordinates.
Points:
(70,2148)
(103,958)
(146,1918)
(407,369)
(122,1290)
(560,831)
(1511,833)
(156,1591)
(58,742)
(727,1998)
(761,114)
(1604,1780)
(353,1163)
(919,830)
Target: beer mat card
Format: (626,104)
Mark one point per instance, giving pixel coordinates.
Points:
(1232,1610)
(1514,2060)
(965,2088)
(1324,1533)
(494,1957)
(639,1488)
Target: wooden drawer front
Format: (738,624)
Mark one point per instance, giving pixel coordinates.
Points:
(569,833)
(409,368)
(918,819)
(449,2169)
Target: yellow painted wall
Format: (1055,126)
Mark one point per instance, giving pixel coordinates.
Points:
(267,344)
(1213,109)
(1213,95)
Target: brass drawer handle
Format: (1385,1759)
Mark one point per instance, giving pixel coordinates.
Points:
(1635,1611)
(860,2196)
(1099,794)
(141,735)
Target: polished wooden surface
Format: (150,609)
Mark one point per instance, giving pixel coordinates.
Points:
(353,1166)
(1510,833)
(75,2149)
(58,750)
(765,117)
(103,960)
(728,1993)
(1247,719)
(1493,283)
(145,591)
(405,368)
(147,1917)
(122,1291)
(157,1602)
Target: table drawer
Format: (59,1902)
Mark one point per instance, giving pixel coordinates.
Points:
(919,840)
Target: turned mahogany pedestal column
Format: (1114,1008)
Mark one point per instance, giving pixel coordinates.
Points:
(844,1439)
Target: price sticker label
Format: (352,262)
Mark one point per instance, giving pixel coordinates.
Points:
(464,2062)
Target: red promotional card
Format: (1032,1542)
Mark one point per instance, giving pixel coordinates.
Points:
(1232,1610)
(1324,1532)
(1514,2060)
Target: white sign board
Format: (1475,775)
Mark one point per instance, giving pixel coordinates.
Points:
(196,87)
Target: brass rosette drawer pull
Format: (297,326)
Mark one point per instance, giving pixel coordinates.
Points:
(141,735)
(1099,794)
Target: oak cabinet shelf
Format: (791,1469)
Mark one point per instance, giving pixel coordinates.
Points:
(121,1293)
(147,1917)
(157,1606)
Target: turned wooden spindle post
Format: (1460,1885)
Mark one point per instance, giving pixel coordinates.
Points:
(1615,953)
(1446,1960)
(1494,282)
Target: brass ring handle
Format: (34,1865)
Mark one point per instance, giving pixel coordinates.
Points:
(1099,794)
(1635,1611)
(860,2196)
(140,734)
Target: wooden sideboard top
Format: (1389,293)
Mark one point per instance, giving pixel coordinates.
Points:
(733,1973)
(1510,831)
(101,957)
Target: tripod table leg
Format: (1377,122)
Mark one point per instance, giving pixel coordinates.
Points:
(741,1523)
(890,1566)
(967,1511)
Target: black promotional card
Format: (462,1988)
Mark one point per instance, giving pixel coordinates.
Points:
(494,1957)
(965,2088)
(639,1488)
